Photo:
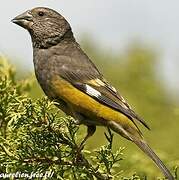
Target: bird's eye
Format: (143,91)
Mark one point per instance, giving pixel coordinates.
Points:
(41,13)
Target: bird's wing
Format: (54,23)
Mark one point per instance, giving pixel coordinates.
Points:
(103,92)
(86,77)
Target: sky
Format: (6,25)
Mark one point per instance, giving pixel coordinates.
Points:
(113,24)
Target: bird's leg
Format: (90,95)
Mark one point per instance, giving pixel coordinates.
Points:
(90,131)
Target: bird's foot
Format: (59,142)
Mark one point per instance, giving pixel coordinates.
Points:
(79,155)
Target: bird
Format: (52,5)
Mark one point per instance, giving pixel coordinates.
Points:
(68,76)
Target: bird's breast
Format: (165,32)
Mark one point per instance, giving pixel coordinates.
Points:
(44,71)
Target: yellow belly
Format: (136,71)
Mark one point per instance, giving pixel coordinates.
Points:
(85,104)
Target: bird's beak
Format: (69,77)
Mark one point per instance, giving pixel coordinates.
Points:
(25,20)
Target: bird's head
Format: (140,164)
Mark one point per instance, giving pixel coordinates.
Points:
(44,24)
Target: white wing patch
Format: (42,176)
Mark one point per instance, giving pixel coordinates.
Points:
(92,92)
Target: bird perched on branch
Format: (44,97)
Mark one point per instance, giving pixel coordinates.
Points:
(68,76)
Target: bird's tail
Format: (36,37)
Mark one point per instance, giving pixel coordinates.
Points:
(147,150)
(134,135)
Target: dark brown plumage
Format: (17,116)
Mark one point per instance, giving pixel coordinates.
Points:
(68,76)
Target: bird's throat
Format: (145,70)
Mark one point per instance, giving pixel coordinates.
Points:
(42,42)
